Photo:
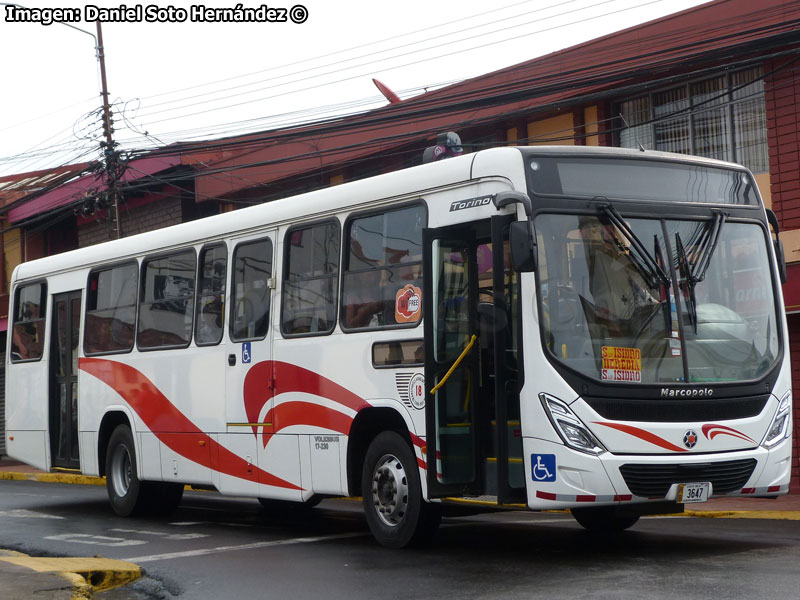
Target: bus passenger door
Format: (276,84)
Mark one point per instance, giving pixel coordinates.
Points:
(471,321)
(451,365)
(64,380)
(248,398)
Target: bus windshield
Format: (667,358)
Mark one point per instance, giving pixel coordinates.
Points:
(605,315)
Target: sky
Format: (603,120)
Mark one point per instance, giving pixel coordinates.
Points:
(187,80)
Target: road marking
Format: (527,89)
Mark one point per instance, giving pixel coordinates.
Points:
(255,545)
(22,513)
(95,540)
(163,534)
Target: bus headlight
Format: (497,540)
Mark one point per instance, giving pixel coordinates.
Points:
(779,428)
(569,427)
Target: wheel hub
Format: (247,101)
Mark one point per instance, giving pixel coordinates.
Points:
(121,471)
(390,490)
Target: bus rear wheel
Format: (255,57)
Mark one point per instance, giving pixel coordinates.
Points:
(605,519)
(392,494)
(122,482)
(129,495)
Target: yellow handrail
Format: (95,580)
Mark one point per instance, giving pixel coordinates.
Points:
(455,364)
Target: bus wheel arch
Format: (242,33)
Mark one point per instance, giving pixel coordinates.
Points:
(367,425)
(110,422)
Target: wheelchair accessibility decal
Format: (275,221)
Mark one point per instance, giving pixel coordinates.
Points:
(247,356)
(543,467)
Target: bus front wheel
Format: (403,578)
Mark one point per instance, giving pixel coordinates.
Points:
(605,519)
(392,494)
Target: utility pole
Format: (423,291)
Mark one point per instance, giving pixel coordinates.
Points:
(112,166)
(112,162)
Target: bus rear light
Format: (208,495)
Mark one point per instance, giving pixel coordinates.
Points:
(569,427)
(779,428)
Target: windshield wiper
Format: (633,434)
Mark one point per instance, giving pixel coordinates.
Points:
(686,276)
(652,271)
(694,273)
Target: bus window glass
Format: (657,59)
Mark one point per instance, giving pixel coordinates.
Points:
(111,310)
(167,302)
(211,295)
(27,341)
(252,269)
(310,279)
(383,275)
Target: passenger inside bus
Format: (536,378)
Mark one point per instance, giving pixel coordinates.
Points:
(364,306)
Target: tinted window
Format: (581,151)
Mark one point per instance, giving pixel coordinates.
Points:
(252,269)
(383,274)
(310,279)
(211,295)
(167,302)
(27,341)
(111,309)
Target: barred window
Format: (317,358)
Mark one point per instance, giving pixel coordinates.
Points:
(310,279)
(27,334)
(721,117)
(111,309)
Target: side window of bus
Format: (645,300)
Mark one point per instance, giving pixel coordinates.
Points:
(211,295)
(166,305)
(111,309)
(310,279)
(383,269)
(252,269)
(27,340)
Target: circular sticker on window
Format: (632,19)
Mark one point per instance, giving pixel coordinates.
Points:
(408,304)
(416,391)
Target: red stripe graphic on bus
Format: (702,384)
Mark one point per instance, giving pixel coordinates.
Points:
(645,435)
(270,378)
(711,431)
(160,415)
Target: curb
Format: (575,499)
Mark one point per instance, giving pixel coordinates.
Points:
(87,575)
(52,478)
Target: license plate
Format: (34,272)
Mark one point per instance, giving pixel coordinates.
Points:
(693,492)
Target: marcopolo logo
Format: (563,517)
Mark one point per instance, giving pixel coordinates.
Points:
(471,203)
(686,392)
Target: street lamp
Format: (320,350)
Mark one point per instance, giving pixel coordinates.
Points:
(110,155)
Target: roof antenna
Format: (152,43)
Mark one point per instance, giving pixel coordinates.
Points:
(638,143)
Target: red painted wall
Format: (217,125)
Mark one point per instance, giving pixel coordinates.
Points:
(782,98)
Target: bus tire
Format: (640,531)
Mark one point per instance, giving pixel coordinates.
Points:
(605,519)
(125,491)
(392,494)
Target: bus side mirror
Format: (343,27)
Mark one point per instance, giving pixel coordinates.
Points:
(777,244)
(781,259)
(522,240)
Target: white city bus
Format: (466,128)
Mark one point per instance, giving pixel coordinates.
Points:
(603,331)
